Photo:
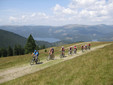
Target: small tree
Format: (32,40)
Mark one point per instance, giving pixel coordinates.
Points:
(10,51)
(20,49)
(4,52)
(45,50)
(16,51)
(0,53)
(30,45)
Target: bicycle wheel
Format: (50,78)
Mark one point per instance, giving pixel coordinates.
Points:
(32,62)
(61,56)
(48,58)
(38,60)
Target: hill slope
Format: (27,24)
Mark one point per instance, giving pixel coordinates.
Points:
(10,39)
(97,70)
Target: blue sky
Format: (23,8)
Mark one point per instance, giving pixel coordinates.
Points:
(30,5)
(55,12)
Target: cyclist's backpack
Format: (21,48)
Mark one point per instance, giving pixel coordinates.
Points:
(82,47)
(63,49)
(70,48)
(37,53)
(52,50)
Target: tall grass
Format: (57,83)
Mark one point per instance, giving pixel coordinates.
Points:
(94,68)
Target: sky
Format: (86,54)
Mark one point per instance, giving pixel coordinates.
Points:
(56,12)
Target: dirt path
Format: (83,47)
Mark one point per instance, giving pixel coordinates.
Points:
(15,72)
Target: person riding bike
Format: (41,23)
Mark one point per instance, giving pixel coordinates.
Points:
(82,48)
(85,47)
(51,52)
(89,45)
(70,50)
(36,54)
(75,49)
(63,51)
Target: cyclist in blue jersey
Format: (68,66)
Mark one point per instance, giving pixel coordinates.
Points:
(36,54)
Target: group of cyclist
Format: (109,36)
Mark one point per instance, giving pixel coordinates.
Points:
(85,47)
(71,50)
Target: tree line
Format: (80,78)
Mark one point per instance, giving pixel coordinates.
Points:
(19,50)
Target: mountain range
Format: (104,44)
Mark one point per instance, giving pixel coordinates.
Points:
(72,32)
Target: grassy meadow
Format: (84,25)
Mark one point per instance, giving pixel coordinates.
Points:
(94,68)
(11,61)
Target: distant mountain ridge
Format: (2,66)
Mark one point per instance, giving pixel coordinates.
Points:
(72,32)
(11,39)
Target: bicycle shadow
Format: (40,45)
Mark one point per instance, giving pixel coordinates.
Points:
(40,63)
(63,56)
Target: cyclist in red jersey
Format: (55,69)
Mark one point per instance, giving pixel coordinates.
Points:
(82,48)
(70,50)
(89,46)
(63,52)
(75,49)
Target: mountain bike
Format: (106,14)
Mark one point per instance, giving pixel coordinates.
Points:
(85,47)
(34,60)
(75,51)
(89,47)
(82,49)
(62,55)
(70,52)
(50,57)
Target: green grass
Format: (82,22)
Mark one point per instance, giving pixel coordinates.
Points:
(7,62)
(94,68)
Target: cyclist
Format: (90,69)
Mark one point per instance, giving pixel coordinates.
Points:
(36,54)
(82,48)
(85,47)
(89,45)
(70,50)
(75,49)
(52,49)
(63,51)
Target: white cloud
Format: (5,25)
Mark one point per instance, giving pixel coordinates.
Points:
(42,15)
(27,19)
(76,12)
(86,11)
(11,18)
(62,10)
(33,14)
(23,16)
